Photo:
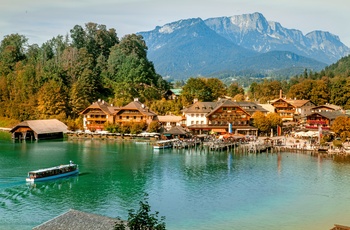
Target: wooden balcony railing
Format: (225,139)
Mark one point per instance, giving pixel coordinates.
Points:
(317,122)
(316,127)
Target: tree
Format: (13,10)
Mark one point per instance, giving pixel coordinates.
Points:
(339,88)
(136,128)
(142,219)
(130,74)
(238,97)
(341,127)
(154,126)
(52,101)
(196,88)
(319,93)
(261,122)
(12,50)
(216,87)
(274,120)
(234,89)
(265,91)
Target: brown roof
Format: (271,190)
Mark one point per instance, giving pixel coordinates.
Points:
(226,103)
(251,107)
(200,107)
(77,220)
(103,106)
(177,130)
(43,126)
(329,114)
(297,103)
(136,105)
(330,106)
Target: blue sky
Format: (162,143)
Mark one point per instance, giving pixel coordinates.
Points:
(41,20)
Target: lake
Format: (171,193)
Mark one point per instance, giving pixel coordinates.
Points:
(193,189)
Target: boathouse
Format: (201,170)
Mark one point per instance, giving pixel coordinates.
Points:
(74,219)
(39,129)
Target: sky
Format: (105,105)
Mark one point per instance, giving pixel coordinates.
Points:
(41,20)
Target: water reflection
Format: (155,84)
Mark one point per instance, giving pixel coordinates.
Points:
(63,183)
(279,165)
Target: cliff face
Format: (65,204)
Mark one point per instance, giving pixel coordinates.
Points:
(238,44)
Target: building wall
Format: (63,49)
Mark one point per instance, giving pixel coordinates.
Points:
(196,119)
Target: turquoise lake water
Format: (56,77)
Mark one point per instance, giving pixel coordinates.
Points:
(192,189)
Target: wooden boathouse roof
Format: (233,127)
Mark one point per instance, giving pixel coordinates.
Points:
(42,126)
(78,220)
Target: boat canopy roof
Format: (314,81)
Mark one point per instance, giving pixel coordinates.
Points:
(52,168)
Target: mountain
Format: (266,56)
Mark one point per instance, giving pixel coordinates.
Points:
(254,32)
(236,45)
(189,47)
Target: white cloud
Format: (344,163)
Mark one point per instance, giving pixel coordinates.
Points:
(40,20)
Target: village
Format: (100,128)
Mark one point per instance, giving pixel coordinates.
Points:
(222,124)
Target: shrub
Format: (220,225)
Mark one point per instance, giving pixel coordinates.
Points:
(337,143)
(142,219)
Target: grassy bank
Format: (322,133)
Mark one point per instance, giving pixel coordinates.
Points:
(5,135)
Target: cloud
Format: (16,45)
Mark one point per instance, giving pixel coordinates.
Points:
(40,20)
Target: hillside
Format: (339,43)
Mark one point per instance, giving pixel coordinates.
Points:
(340,68)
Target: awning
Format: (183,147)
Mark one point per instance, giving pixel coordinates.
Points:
(219,130)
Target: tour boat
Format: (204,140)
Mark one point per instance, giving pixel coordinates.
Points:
(53,172)
(163,144)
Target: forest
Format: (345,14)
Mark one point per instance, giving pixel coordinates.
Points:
(66,74)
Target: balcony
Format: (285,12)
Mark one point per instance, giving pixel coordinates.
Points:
(130,120)
(94,119)
(93,127)
(316,127)
(317,122)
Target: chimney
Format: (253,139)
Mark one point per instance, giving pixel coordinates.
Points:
(280,93)
(195,100)
(136,99)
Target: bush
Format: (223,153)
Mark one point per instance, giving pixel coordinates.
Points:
(337,143)
(142,219)
(154,126)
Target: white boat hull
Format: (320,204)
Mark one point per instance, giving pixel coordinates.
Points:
(162,147)
(53,177)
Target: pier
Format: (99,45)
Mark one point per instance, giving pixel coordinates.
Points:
(238,145)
